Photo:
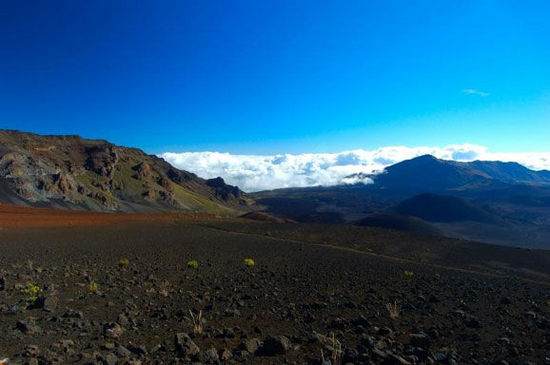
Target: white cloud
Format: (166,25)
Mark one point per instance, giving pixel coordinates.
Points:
(475,92)
(258,172)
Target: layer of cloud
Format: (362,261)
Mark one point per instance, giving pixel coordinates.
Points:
(257,172)
(475,92)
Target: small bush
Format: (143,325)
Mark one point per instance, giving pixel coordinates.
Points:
(92,287)
(124,262)
(409,273)
(249,262)
(32,291)
(193,264)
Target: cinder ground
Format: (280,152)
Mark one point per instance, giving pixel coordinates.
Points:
(301,291)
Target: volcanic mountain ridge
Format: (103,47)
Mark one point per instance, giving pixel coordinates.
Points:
(77,173)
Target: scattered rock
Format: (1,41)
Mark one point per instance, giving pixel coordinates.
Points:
(31,351)
(420,340)
(73,314)
(472,322)
(211,356)
(136,349)
(28,326)
(110,359)
(185,346)
(50,303)
(250,345)
(273,346)
(112,330)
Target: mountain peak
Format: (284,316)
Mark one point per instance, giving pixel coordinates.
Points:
(426,157)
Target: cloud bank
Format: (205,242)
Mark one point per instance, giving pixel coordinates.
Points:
(257,172)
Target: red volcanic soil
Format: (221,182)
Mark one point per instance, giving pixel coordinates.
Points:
(14,216)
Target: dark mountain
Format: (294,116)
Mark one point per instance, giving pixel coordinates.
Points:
(427,173)
(76,173)
(497,202)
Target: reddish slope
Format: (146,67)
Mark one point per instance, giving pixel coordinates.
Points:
(14,216)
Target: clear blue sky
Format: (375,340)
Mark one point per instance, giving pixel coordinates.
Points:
(279,76)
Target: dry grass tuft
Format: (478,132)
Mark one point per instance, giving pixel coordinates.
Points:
(335,348)
(197,322)
(393,310)
(165,288)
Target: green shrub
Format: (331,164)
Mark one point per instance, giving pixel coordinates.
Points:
(409,273)
(32,291)
(193,264)
(124,262)
(92,287)
(249,262)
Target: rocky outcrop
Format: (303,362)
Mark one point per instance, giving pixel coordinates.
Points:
(101,159)
(227,192)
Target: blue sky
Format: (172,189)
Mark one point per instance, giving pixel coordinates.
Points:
(268,77)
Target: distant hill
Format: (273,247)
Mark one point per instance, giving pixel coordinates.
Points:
(76,173)
(399,222)
(443,208)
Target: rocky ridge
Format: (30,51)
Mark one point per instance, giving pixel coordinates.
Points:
(72,172)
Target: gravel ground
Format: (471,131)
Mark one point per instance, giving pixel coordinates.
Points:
(301,303)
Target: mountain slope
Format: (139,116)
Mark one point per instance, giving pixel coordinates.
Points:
(510,172)
(72,172)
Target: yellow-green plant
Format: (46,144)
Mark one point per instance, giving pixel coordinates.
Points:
(249,262)
(124,262)
(92,287)
(409,273)
(193,264)
(32,291)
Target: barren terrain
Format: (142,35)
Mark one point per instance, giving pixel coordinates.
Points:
(304,288)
